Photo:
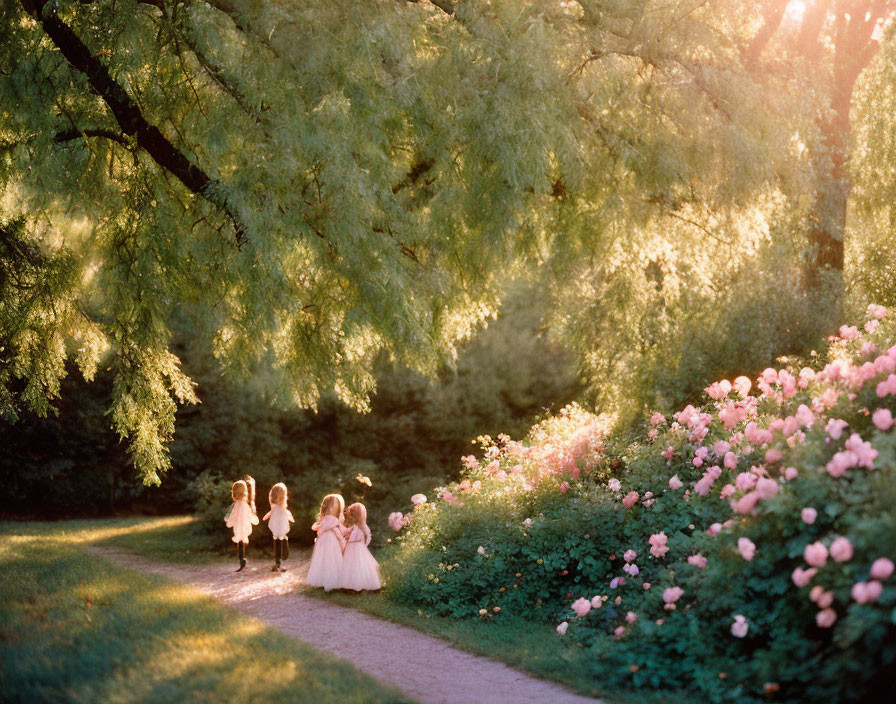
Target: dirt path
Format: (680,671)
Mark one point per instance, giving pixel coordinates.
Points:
(425,668)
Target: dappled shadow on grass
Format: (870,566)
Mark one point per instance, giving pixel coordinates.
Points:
(75,628)
(529,645)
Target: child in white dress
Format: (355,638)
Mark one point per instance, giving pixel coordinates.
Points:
(241,518)
(280,518)
(326,559)
(360,570)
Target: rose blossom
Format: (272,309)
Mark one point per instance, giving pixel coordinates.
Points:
(614,484)
(816,554)
(418,499)
(631,498)
(619,632)
(841,550)
(657,418)
(802,577)
(882,419)
(675,483)
(672,594)
(766,488)
(825,618)
(825,599)
(740,627)
(809,515)
(631,617)
(629,555)
(714,529)
(746,548)
(882,568)
(396,521)
(561,629)
(581,607)
(791,473)
(697,561)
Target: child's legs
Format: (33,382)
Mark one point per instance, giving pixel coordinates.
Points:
(284,548)
(241,550)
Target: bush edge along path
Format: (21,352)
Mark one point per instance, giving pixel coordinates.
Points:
(423,667)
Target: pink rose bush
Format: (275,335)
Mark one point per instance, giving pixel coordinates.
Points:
(763,515)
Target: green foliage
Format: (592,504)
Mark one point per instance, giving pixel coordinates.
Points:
(545,527)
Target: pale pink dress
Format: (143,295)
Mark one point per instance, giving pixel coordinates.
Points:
(326,559)
(241,519)
(360,570)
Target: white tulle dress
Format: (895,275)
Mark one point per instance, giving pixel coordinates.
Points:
(241,519)
(360,570)
(326,559)
(280,518)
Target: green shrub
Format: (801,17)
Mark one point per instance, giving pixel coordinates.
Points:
(533,529)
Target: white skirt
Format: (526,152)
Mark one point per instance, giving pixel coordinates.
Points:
(360,570)
(326,562)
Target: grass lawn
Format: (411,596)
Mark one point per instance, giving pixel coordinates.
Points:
(529,645)
(74,628)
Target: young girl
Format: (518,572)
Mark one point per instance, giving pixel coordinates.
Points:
(326,559)
(280,518)
(241,518)
(360,569)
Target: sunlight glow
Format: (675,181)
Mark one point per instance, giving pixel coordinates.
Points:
(795,10)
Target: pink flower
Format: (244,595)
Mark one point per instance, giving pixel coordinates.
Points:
(596,602)
(740,627)
(825,618)
(825,599)
(849,332)
(773,455)
(646,585)
(742,385)
(730,460)
(447,496)
(675,483)
(619,631)
(618,599)
(396,521)
(469,461)
(816,592)
(657,419)
(614,484)
(746,548)
(727,490)
(672,594)
(864,452)
(790,474)
(882,418)
(882,568)
(564,487)
(697,561)
(714,529)
(809,515)
(804,416)
(581,607)
(631,617)
(841,550)
(746,481)
(698,462)
(561,629)
(629,555)
(658,544)
(876,311)
(418,499)
(802,577)
(816,554)
(835,428)
(746,503)
(873,591)
(631,498)
(667,453)
(766,488)
(631,570)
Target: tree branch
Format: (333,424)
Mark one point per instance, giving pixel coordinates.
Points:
(71,135)
(773,13)
(127,113)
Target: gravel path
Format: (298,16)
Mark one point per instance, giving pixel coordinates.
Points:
(425,668)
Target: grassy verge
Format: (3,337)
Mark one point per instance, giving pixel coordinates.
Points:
(74,628)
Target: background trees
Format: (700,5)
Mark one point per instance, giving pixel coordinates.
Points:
(311,185)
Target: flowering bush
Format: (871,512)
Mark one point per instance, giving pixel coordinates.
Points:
(743,549)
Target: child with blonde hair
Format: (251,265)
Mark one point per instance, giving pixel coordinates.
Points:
(280,518)
(241,518)
(326,558)
(360,570)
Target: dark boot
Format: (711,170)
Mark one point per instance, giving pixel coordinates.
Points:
(276,567)
(242,555)
(284,548)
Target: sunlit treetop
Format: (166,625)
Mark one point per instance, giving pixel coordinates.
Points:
(315,182)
